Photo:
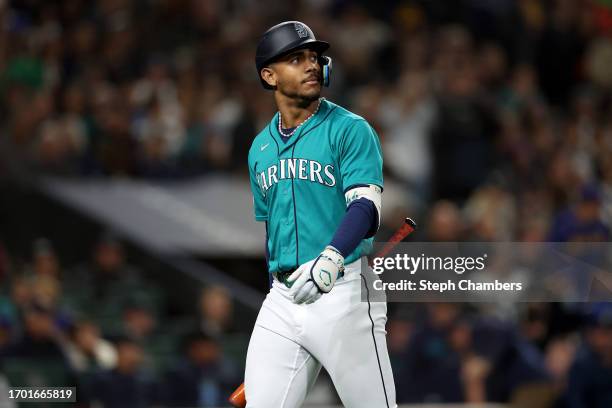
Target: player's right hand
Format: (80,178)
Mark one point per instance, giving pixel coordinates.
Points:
(303,289)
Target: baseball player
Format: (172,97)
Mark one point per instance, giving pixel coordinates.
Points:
(316,178)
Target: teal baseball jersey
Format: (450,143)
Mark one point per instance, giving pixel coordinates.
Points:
(299,186)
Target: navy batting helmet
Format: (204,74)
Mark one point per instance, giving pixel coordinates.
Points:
(286,37)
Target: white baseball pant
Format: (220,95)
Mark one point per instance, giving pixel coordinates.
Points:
(340,332)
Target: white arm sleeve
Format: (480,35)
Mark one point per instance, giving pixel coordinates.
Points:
(370,192)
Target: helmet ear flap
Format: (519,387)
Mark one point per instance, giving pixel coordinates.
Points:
(326,68)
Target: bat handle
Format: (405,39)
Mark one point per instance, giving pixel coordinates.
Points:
(405,230)
(238,399)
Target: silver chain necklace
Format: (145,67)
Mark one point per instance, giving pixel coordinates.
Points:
(280,121)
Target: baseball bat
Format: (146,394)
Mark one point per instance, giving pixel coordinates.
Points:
(238,398)
(407,228)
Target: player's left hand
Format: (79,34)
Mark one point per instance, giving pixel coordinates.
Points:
(303,289)
(316,277)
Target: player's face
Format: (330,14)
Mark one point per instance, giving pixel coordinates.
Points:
(298,75)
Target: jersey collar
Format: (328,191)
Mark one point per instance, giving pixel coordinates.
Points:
(314,122)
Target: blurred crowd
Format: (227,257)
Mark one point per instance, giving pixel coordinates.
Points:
(495,119)
(501,107)
(104,327)
(553,355)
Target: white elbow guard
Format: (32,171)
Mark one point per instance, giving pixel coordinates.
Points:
(370,192)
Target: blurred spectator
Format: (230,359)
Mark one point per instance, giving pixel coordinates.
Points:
(102,289)
(599,55)
(46,291)
(590,378)
(493,63)
(138,321)
(490,214)
(216,309)
(402,324)
(139,324)
(19,299)
(44,259)
(40,337)
(534,211)
(408,116)
(582,222)
(59,146)
(431,370)
(87,351)
(40,292)
(127,385)
(116,149)
(559,357)
(360,39)
(160,130)
(202,378)
(463,132)
(445,223)
(35,357)
(562,178)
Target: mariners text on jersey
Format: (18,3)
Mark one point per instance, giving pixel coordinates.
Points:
(302,169)
(299,186)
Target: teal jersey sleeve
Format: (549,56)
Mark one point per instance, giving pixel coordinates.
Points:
(259,203)
(360,156)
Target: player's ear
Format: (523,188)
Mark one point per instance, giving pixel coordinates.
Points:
(269,76)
